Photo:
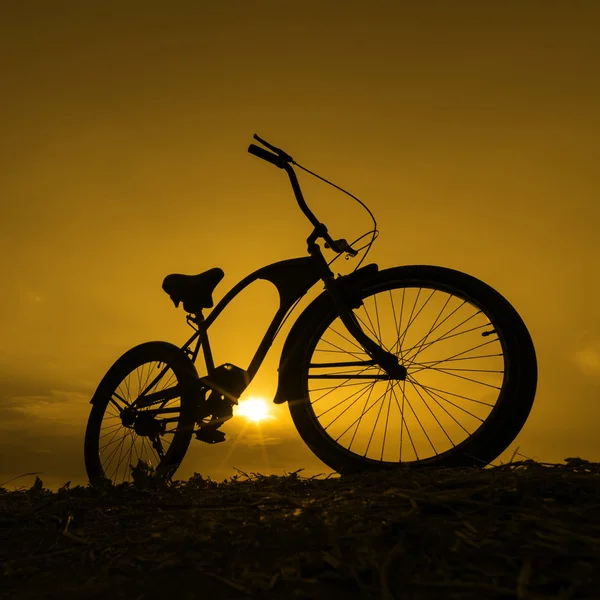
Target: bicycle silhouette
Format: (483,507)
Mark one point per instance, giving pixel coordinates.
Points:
(370,362)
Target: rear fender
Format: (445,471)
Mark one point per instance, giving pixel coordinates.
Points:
(296,339)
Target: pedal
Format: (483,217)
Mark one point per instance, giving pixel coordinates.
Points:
(210,436)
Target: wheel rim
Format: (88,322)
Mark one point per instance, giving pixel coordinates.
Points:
(129,435)
(456,371)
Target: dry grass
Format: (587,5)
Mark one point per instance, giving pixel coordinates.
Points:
(524,530)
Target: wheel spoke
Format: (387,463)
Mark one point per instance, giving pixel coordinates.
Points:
(370,327)
(435,417)
(404,423)
(433,389)
(112,440)
(446,372)
(333,389)
(120,459)
(115,429)
(446,336)
(364,412)
(398,322)
(452,384)
(431,393)
(420,425)
(376,420)
(433,328)
(387,419)
(358,421)
(140,376)
(336,387)
(357,393)
(412,319)
(120,447)
(496,355)
(347,339)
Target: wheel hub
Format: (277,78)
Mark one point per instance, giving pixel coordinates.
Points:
(144,424)
(396,371)
(128,417)
(390,364)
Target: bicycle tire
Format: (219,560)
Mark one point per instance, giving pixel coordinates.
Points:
(147,353)
(483,445)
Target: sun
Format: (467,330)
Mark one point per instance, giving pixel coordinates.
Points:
(254,409)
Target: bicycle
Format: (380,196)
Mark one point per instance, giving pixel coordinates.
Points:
(353,336)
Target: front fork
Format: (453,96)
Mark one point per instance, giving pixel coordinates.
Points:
(344,304)
(386,360)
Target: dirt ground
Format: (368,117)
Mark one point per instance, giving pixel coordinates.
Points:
(525,530)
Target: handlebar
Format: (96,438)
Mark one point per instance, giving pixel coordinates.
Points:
(282,159)
(284,155)
(277,156)
(265,155)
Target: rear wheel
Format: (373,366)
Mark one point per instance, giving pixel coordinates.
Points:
(120,431)
(470,384)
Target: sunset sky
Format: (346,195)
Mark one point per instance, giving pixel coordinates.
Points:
(470,129)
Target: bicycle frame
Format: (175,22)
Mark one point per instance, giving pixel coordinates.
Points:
(292,278)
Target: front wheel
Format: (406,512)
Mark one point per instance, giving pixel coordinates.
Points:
(470,383)
(123,429)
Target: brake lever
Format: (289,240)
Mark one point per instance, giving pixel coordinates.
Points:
(342,246)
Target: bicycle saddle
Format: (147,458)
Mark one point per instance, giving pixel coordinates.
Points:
(195,291)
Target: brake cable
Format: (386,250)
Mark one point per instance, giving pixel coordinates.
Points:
(374,232)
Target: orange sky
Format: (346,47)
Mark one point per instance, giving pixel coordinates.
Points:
(470,130)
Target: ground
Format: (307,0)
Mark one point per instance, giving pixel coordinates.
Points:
(525,530)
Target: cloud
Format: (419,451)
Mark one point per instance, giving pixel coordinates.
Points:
(54,408)
(587,358)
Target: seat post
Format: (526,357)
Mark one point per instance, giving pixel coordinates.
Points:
(206,351)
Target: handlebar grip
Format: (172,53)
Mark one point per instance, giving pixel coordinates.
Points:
(265,155)
(277,151)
